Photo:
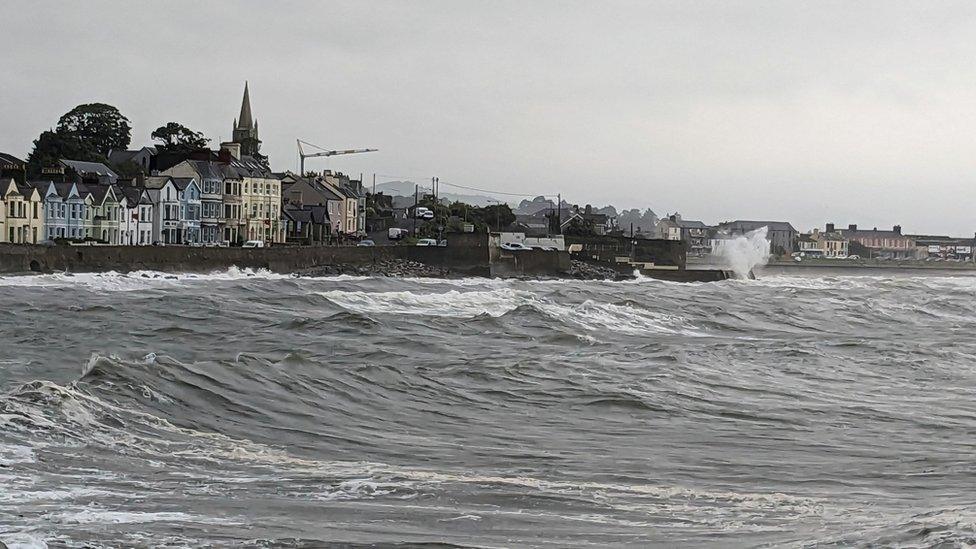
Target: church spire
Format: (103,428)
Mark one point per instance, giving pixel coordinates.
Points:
(245,119)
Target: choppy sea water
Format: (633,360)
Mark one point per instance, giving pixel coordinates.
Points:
(251,409)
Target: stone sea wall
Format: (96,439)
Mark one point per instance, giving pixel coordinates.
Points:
(455,259)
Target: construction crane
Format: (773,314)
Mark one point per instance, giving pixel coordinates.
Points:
(323,152)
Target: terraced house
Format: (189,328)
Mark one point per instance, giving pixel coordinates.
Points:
(105,213)
(135,217)
(211,181)
(21,213)
(67,210)
(166,212)
(189,194)
(261,200)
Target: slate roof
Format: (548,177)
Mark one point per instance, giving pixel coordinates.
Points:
(206,169)
(133,195)
(5,186)
(96,168)
(743,225)
(249,166)
(98,192)
(121,157)
(10,159)
(183,182)
(157,181)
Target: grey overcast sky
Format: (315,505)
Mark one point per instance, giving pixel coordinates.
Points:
(853,112)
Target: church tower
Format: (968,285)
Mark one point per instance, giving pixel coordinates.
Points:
(246,129)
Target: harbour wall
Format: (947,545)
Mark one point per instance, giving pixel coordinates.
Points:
(458,258)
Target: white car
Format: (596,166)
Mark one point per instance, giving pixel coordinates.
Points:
(253,244)
(515,246)
(427,242)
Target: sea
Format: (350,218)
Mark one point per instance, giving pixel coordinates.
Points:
(249,409)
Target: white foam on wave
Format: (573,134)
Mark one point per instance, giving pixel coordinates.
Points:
(452,303)
(92,516)
(589,315)
(113,281)
(22,541)
(11,454)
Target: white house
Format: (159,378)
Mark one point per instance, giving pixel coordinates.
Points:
(166,209)
(136,223)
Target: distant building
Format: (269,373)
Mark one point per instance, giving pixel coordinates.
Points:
(91,172)
(823,244)
(694,233)
(945,247)
(780,234)
(879,243)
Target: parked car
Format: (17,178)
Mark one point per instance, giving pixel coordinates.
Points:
(423,213)
(427,242)
(854,257)
(253,244)
(366,243)
(442,243)
(515,246)
(396,234)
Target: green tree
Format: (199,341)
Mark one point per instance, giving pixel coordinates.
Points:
(102,127)
(177,137)
(50,147)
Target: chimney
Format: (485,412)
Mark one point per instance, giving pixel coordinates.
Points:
(897,229)
(829,228)
(852,227)
(234,149)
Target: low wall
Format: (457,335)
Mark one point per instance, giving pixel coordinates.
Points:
(671,253)
(19,258)
(506,263)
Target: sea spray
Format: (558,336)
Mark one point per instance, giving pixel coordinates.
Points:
(742,253)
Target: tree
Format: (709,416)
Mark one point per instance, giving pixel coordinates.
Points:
(50,147)
(177,137)
(102,127)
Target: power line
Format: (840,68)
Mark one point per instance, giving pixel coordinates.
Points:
(406,178)
(490,191)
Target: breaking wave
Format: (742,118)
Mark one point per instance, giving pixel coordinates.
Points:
(240,408)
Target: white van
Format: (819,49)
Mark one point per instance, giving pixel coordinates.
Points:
(253,244)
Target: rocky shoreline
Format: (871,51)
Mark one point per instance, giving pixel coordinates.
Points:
(391,268)
(579,270)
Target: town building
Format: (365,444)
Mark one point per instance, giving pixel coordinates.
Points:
(875,243)
(694,233)
(234,223)
(67,210)
(947,248)
(307,193)
(190,204)
(136,218)
(21,213)
(166,211)
(780,234)
(260,200)
(105,213)
(210,178)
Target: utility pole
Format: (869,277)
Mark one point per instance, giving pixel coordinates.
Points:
(374,185)
(559,213)
(416,194)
